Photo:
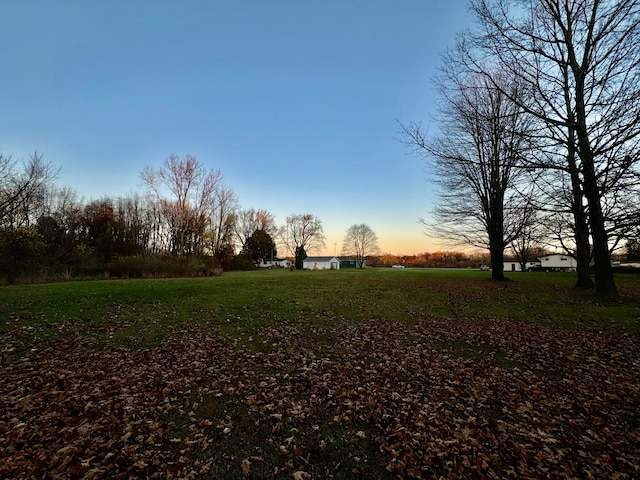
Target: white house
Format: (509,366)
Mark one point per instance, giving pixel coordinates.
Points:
(276,262)
(513,265)
(321,263)
(558,261)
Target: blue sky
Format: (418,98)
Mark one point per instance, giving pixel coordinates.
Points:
(296,102)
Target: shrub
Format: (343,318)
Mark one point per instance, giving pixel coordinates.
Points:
(154,266)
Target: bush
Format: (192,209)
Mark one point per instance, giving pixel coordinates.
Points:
(156,266)
(24,258)
(243,261)
(127,267)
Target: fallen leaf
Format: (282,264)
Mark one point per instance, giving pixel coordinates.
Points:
(245,466)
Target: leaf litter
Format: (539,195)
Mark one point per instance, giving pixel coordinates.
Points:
(435,398)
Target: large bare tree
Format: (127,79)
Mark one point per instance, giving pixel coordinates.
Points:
(360,241)
(302,234)
(475,159)
(580,62)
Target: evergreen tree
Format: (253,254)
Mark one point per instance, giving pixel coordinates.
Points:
(261,245)
(301,254)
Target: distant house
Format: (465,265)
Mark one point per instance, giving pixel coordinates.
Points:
(559,262)
(511,264)
(321,263)
(276,262)
(350,262)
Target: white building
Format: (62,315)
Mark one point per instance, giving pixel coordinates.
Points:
(558,261)
(321,263)
(276,262)
(513,264)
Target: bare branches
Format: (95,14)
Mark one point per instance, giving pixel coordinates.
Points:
(476,160)
(191,199)
(21,188)
(360,241)
(221,212)
(303,231)
(579,63)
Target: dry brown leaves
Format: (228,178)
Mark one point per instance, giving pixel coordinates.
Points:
(444,398)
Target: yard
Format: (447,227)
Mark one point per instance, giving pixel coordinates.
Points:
(329,374)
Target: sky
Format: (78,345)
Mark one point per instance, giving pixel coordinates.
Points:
(297,103)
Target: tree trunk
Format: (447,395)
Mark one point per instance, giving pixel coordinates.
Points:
(497,261)
(496,220)
(496,245)
(581,228)
(301,254)
(583,250)
(605,283)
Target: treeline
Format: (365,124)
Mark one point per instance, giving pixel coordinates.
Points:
(440,259)
(186,223)
(121,237)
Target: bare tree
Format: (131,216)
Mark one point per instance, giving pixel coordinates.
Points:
(632,246)
(302,234)
(580,62)
(23,189)
(475,160)
(184,191)
(360,241)
(525,243)
(222,216)
(136,227)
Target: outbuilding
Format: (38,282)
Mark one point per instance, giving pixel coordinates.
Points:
(350,262)
(321,263)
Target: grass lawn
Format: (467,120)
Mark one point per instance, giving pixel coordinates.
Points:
(329,374)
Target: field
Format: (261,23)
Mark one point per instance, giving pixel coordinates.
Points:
(335,374)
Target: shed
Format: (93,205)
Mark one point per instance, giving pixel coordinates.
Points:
(321,263)
(348,263)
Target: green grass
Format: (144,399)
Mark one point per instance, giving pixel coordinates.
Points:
(142,313)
